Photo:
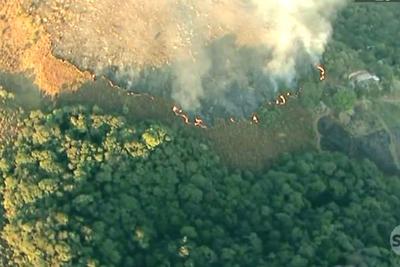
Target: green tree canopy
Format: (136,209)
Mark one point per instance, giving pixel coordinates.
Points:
(86,189)
(344,99)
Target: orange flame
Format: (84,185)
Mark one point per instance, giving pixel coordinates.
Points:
(185,118)
(198,122)
(321,72)
(179,112)
(176,110)
(255,119)
(281,100)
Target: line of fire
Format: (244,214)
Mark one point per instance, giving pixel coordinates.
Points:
(281,100)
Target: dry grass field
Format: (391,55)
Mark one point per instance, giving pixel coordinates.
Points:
(25,47)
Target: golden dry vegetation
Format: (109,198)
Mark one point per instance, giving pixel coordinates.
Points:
(102,33)
(39,36)
(25,46)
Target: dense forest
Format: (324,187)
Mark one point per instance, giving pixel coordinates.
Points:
(82,186)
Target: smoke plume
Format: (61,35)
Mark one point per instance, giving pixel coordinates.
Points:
(224,56)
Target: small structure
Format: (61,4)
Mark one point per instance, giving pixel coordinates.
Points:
(362,76)
(363,79)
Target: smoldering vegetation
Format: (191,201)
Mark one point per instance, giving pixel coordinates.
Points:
(232,83)
(221,57)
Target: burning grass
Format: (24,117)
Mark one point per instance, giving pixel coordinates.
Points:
(240,144)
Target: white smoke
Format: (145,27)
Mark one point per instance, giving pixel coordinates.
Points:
(188,86)
(136,34)
(287,28)
(296,25)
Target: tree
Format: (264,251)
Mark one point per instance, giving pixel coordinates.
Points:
(99,191)
(344,99)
